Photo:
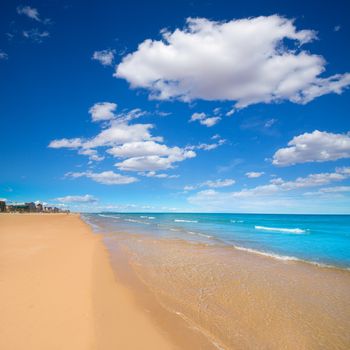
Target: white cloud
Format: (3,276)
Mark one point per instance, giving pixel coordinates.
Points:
(91,153)
(102,111)
(275,193)
(248,61)
(105,177)
(154,162)
(132,142)
(204,119)
(317,146)
(143,148)
(3,55)
(30,12)
(254,174)
(77,199)
(66,143)
(36,35)
(120,133)
(270,122)
(158,175)
(149,156)
(279,185)
(212,184)
(329,191)
(219,183)
(208,146)
(105,57)
(230,112)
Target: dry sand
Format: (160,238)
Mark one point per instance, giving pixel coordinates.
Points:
(58,290)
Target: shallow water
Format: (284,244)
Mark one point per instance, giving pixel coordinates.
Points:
(321,239)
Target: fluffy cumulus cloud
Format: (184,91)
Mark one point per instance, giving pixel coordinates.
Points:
(273,191)
(318,146)
(203,119)
(133,145)
(154,162)
(77,199)
(102,111)
(105,57)
(105,177)
(254,174)
(115,134)
(247,61)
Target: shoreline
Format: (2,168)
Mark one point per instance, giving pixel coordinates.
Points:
(240,300)
(58,290)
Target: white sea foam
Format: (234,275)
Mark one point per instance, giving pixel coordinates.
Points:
(199,234)
(182,220)
(280,229)
(288,258)
(109,216)
(270,255)
(147,217)
(236,221)
(137,221)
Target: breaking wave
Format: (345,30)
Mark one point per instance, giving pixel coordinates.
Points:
(181,220)
(280,229)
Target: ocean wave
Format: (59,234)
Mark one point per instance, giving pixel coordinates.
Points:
(147,217)
(280,229)
(288,258)
(137,221)
(270,255)
(182,220)
(199,234)
(236,221)
(109,216)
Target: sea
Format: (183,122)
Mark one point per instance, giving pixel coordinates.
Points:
(317,239)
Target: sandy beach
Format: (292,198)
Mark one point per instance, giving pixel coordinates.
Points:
(64,287)
(58,290)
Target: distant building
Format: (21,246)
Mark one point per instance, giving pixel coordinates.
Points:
(31,207)
(2,206)
(18,207)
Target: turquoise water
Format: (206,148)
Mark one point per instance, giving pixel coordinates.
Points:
(320,239)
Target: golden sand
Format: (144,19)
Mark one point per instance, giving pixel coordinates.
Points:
(58,291)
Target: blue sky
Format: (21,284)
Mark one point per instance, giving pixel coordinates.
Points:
(176,106)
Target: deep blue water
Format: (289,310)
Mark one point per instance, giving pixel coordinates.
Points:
(323,239)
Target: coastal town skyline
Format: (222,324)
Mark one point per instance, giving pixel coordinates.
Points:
(156,109)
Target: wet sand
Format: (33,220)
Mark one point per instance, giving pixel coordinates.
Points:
(239,300)
(58,290)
